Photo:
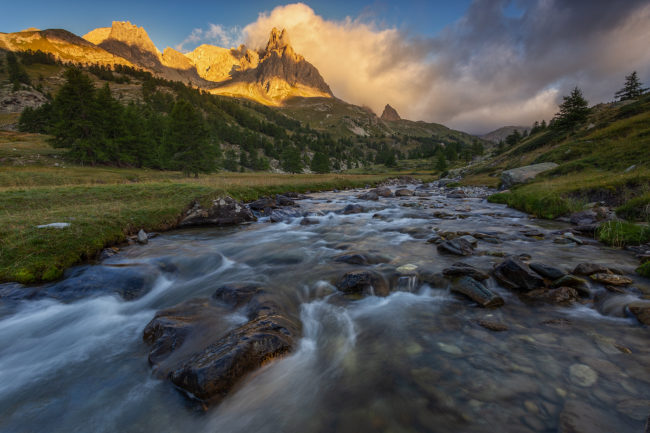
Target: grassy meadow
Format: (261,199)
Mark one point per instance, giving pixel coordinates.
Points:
(106,204)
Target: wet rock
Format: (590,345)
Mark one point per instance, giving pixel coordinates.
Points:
(518,175)
(592,268)
(457,193)
(476,292)
(382,192)
(282,215)
(459,247)
(546,271)
(576,282)
(459,269)
(583,375)
(450,348)
(108,252)
(434,239)
(580,417)
(352,209)
(557,296)
(611,279)
(283,200)
(236,295)
(357,258)
(404,192)
(635,409)
(533,233)
(471,239)
(370,195)
(263,204)
(364,282)
(142,237)
(306,221)
(169,328)
(572,238)
(640,310)
(212,372)
(512,273)
(128,281)
(492,325)
(422,194)
(224,211)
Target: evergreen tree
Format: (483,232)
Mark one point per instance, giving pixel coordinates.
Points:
(17,73)
(320,163)
(632,89)
(441,163)
(573,112)
(188,138)
(230,163)
(290,159)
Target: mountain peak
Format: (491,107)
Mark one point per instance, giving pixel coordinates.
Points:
(278,40)
(390,114)
(132,35)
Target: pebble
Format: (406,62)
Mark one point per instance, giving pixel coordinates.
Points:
(582,375)
(450,348)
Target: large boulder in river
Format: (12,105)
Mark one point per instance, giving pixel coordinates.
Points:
(403,192)
(514,176)
(194,345)
(512,273)
(224,211)
(212,372)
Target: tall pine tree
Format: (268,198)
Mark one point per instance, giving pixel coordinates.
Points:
(574,111)
(632,89)
(188,140)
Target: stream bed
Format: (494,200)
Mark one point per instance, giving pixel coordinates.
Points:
(73,359)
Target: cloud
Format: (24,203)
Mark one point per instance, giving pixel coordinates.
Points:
(214,34)
(488,69)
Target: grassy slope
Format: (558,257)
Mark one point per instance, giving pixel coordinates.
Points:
(105,204)
(593,165)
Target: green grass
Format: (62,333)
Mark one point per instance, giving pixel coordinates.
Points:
(637,209)
(622,233)
(644,270)
(542,204)
(106,204)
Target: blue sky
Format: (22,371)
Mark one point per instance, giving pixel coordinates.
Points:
(169,22)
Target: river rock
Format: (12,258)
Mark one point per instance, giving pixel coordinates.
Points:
(357,258)
(383,192)
(476,292)
(580,417)
(492,325)
(546,271)
(557,296)
(364,282)
(283,200)
(512,273)
(352,209)
(457,193)
(518,175)
(142,237)
(370,195)
(583,375)
(459,269)
(236,295)
(641,310)
(263,204)
(306,221)
(211,373)
(612,279)
(460,247)
(592,268)
(404,192)
(635,409)
(281,215)
(576,282)
(224,211)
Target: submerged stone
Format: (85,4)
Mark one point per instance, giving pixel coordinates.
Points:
(477,292)
(514,274)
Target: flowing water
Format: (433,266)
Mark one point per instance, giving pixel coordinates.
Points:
(416,360)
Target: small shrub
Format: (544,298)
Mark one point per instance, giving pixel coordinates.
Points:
(637,209)
(644,270)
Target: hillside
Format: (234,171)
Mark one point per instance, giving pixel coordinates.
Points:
(607,160)
(500,134)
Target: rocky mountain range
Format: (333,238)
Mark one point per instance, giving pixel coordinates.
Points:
(270,75)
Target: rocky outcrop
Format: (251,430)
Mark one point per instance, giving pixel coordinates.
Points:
(224,211)
(390,114)
(512,177)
